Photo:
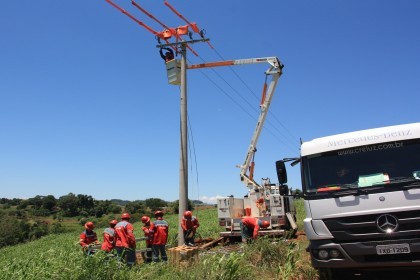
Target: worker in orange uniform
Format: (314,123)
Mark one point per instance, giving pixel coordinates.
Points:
(125,241)
(88,238)
(250,227)
(148,229)
(189,225)
(160,237)
(109,237)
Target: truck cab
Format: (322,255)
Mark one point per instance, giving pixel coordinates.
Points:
(362,199)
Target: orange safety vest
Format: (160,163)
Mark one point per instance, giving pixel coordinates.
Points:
(190,224)
(109,240)
(124,236)
(252,224)
(160,236)
(87,237)
(149,231)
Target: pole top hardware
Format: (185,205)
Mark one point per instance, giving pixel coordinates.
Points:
(168,33)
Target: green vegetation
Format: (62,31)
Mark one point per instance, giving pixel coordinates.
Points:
(25,220)
(58,256)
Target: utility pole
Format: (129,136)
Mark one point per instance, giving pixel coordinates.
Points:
(183,163)
(173,72)
(181,80)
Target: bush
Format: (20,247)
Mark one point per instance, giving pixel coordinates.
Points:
(57,228)
(12,231)
(37,230)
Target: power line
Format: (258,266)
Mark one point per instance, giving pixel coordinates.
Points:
(249,104)
(256,97)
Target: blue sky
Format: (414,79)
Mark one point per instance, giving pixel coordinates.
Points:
(85,106)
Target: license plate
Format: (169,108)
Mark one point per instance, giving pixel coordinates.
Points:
(393,249)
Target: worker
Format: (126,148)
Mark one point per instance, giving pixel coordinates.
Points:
(88,238)
(250,227)
(109,237)
(160,237)
(125,241)
(168,56)
(148,229)
(189,225)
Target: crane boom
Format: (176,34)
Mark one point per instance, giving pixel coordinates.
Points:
(275,72)
(273,61)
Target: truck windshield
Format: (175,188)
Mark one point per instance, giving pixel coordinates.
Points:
(383,165)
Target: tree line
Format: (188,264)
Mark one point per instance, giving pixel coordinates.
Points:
(28,219)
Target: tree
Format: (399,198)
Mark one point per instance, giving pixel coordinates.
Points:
(36,201)
(155,203)
(133,207)
(23,204)
(69,205)
(4,200)
(175,206)
(49,202)
(86,202)
(101,208)
(15,201)
(114,209)
(297,193)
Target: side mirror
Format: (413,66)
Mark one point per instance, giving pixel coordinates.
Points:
(281,172)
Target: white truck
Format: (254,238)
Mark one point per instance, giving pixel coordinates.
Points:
(269,202)
(362,200)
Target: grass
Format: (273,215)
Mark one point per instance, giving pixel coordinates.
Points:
(60,257)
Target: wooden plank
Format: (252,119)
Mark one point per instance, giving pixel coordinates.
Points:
(212,243)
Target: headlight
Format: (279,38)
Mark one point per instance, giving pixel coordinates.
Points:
(323,254)
(334,253)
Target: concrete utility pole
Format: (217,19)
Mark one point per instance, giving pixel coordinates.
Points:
(183,162)
(174,78)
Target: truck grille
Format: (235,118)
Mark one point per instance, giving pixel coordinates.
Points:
(364,228)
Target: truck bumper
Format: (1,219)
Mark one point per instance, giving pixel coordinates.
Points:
(364,255)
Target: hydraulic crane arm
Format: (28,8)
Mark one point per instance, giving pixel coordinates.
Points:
(275,72)
(273,61)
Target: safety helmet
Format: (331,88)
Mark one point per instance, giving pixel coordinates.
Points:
(145,219)
(158,213)
(89,225)
(265,224)
(113,222)
(125,216)
(187,214)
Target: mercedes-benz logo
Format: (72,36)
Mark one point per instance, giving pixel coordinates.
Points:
(387,223)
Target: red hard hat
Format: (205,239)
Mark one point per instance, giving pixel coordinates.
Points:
(145,219)
(125,216)
(113,222)
(265,224)
(89,225)
(187,214)
(158,213)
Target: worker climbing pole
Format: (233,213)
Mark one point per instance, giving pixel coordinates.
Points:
(173,39)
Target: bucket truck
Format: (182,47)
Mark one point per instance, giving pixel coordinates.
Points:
(267,202)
